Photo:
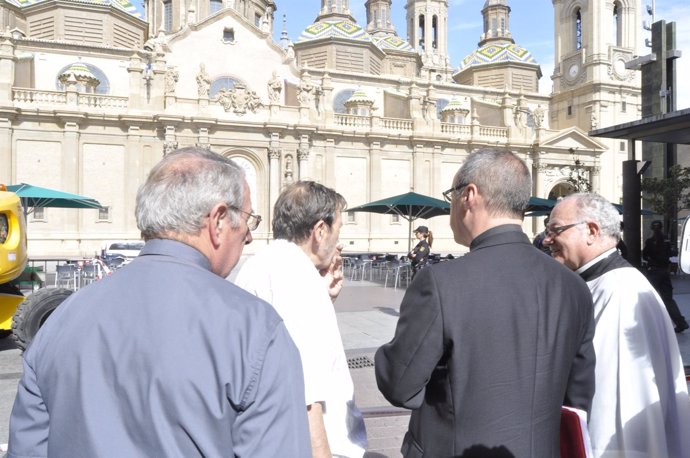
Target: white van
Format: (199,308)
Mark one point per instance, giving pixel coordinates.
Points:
(128,249)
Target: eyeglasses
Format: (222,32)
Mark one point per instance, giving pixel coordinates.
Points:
(448,195)
(253,220)
(558,230)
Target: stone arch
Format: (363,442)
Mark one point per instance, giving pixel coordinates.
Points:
(561,188)
(255,174)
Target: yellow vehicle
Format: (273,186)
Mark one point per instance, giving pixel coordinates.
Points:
(13,255)
(20,315)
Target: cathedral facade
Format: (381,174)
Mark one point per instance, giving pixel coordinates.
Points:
(93,94)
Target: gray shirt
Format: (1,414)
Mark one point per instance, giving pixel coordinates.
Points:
(162,359)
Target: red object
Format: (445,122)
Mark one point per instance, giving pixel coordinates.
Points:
(572,435)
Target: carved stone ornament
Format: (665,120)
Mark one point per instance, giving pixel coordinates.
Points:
(239,99)
(169,147)
(274,153)
(617,68)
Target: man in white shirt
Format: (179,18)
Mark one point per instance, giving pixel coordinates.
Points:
(300,274)
(640,407)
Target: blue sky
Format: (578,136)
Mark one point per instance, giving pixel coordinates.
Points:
(531,24)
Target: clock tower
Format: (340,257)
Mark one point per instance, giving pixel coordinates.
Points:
(594,40)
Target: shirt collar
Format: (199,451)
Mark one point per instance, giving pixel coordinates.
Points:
(603,255)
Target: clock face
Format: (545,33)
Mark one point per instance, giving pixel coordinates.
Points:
(619,67)
(573,71)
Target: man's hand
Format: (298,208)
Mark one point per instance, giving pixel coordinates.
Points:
(333,275)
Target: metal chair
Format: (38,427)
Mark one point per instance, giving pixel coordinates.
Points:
(66,276)
(400,271)
(89,274)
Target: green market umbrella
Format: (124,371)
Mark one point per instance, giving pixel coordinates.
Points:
(409,206)
(37,197)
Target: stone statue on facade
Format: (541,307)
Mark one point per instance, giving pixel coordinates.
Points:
(288,175)
(306,91)
(203,81)
(171,78)
(275,88)
(538,116)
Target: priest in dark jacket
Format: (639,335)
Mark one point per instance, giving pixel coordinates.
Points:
(489,346)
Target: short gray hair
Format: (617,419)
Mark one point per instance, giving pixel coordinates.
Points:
(303,204)
(592,207)
(181,190)
(503,179)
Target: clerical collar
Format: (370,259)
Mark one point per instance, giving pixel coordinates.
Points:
(604,263)
(603,255)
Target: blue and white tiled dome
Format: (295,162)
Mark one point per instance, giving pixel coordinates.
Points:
(339,28)
(124,5)
(493,53)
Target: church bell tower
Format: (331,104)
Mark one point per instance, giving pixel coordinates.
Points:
(591,85)
(427,32)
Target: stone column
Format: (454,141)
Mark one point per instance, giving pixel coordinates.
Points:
(327,98)
(70,173)
(133,162)
(136,82)
(7,65)
(170,140)
(6,151)
(303,156)
(274,171)
(595,173)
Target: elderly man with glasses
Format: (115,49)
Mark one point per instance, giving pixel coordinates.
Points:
(641,404)
(165,358)
(489,346)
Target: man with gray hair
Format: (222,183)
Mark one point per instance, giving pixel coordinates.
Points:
(300,274)
(489,346)
(165,357)
(641,405)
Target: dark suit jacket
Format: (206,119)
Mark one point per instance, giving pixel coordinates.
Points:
(486,350)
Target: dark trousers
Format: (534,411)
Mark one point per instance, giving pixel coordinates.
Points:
(660,278)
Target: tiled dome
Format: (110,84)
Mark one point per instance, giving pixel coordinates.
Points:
(359,96)
(334,29)
(458,105)
(124,5)
(392,42)
(493,53)
(81,73)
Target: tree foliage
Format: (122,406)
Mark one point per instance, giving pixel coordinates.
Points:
(666,195)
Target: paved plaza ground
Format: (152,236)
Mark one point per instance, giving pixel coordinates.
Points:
(367,314)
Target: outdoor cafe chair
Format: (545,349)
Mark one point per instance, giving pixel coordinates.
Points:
(66,276)
(399,271)
(89,274)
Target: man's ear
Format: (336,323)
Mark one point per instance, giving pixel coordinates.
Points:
(318,230)
(593,231)
(216,222)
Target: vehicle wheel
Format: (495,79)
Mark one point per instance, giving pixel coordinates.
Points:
(33,312)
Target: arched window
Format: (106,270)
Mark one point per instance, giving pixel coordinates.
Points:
(224,82)
(249,175)
(617,25)
(83,78)
(167,15)
(384,17)
(421,32)
(578,30)
(340,99)
(215,6)
(434,31)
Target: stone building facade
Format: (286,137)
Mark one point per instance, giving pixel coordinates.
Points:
(92,95)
